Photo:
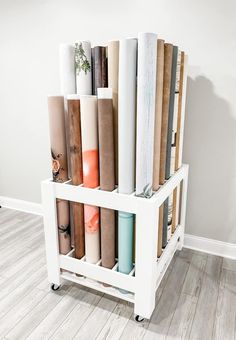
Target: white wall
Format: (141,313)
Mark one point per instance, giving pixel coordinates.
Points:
(30,32)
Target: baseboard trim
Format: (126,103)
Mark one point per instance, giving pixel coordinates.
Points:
(16,204)
(210,246)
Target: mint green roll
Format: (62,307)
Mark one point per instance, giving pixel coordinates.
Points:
(125,242)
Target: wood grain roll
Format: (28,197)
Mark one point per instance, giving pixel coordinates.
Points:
(107,173)
(146,100)
(89,126)
(99,68)
(75,144)
(59,166)
(113,74)
(168,52)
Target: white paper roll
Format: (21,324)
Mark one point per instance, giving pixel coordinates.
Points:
(67,68)
(89,132)
(126,116)
(146,96)
(83,68)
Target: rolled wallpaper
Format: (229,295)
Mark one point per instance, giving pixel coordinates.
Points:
(113,73)
(126,147)
(158,114)
(88,113)
(67,68)
(59,166)
(168,52)
(171,111)
(99,63)
(75,144)
(107,173)
(83,68)
(178,155)
(146,98)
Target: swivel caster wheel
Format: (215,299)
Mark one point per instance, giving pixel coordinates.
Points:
(55,287)
(138,318)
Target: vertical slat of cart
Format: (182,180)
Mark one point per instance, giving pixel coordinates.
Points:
(183,205)
(145,257)
(51,232)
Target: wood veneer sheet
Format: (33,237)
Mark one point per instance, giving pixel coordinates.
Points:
(146,100)
(126,148)
(59,166)
(89,125)
(83,68)
(113,74)
(76,171)
(99,62)
(107,173)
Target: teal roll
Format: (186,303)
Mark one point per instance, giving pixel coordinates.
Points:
(125,242)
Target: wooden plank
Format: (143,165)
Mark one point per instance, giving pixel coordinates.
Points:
(229,264)
(225,321)
(206,307)
(57,315)
(193,281)
(164,312)
(181,323)
(25,327)
(116,322)
(97,319)
(78,316)
(20,310)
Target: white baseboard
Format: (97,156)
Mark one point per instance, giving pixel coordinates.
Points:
(210,246)
(13,203)
(203,244)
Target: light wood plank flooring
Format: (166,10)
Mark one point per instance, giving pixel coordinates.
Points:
(196,299)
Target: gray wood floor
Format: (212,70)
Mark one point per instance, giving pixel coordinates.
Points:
(196,299)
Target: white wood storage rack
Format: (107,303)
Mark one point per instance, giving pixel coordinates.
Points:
(143,281)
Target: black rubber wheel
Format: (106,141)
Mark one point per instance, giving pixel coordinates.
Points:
(138,318)
(54,287)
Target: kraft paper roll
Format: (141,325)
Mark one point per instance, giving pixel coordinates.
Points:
(89,122)
(76,171)
(99,62)
(168,52)
(83,68)
(107,173)
(126,149)
(59,166)
(171,111)
(157,133)
(146,98)
(113,74)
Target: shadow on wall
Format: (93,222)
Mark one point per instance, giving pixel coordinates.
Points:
(210,150)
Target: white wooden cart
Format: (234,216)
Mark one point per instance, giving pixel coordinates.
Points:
(143,281)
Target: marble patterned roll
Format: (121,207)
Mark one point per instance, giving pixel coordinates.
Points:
(75,144)
(107,173)
(67,68)
(59,166)
(89,126)
(126,147)
(168,52)
(83,68)
(113,74)
(99,67)
(146,98)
